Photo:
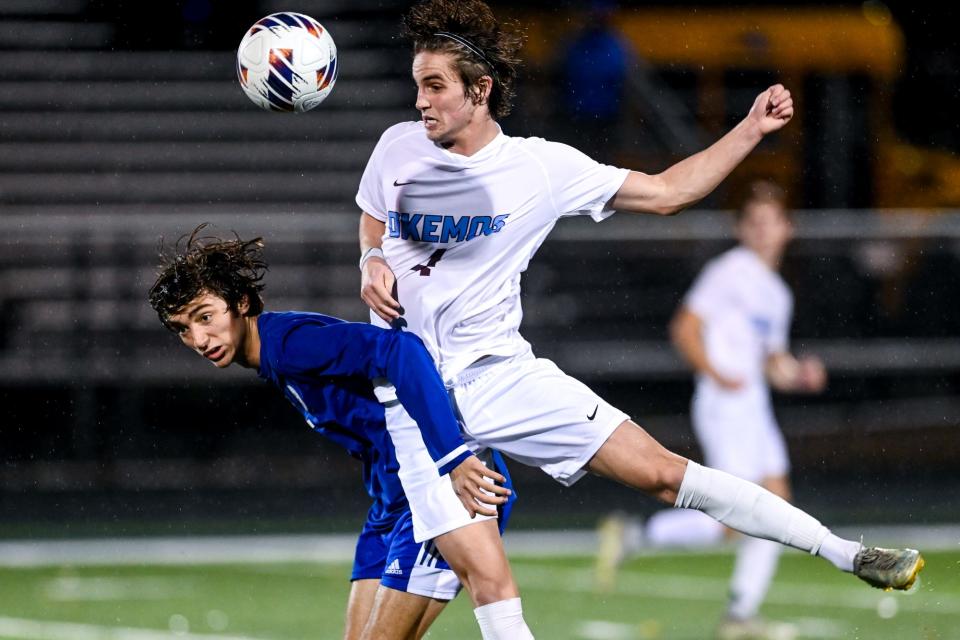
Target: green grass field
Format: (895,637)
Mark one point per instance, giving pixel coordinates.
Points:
(661,596)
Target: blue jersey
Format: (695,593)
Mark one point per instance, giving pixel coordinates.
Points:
(325,365)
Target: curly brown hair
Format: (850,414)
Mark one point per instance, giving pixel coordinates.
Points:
(230,269)
(493,49)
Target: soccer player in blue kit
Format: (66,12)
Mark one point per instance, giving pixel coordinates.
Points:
(209,294)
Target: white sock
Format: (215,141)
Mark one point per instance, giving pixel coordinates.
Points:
(752,575)
(682,528)
(748,508)
(502,620)
(840,552)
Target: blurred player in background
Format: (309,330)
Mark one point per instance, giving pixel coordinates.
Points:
(453,210)
(733,331)
(209,294)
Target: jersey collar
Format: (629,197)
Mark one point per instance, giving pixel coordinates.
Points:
(484,152)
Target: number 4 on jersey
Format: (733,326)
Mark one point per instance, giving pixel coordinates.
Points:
(424,269)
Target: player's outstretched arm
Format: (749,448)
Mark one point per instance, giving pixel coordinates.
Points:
(471,479)
(693,178)
(376,280)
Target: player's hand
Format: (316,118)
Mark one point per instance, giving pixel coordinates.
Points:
(811,375)
(376,289)
(474,484)
(730,384)
(772,109)
(725,382)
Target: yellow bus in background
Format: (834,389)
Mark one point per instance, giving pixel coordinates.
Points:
(841,65)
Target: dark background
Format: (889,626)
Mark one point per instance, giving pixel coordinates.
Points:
(121,122)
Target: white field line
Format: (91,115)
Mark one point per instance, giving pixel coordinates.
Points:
(105,589)
(24,629)
(340,548)
(821,627)
(606,630)
(178,551)
(690,588)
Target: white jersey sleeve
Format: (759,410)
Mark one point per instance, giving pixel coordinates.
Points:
(709,292)
(745,308)
(370,196)
(579,184)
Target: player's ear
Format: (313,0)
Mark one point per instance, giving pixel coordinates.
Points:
(243,307)
(481,90)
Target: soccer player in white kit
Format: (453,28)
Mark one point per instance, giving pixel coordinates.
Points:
(733,330)
(453,210)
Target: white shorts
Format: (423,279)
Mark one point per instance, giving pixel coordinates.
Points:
(435,507)
(390,554)
(739,434)
(530,410)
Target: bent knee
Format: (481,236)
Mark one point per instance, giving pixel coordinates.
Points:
(487,589)
(665,476)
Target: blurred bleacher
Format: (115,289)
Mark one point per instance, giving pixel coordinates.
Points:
(93,128)
(104,150)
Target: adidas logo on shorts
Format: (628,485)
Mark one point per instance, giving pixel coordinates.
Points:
(394,568)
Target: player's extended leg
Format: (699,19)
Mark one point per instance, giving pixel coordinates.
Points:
(632,457)
(476,554)
(395,615)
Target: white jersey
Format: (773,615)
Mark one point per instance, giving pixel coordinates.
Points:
(460,230)
(745,307)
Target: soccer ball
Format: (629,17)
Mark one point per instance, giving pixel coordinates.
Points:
(287,62)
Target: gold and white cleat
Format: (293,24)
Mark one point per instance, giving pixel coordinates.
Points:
(611,551)
(888,568)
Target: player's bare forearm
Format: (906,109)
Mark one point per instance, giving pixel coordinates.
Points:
(686,333)
(690,180)
(371,232)
(376,279)
(693,178)
(687,340)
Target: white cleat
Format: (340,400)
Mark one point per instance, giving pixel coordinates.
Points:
(611,550)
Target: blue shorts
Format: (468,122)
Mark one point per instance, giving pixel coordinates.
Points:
(400,563)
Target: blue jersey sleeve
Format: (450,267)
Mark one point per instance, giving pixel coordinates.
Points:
(357,349)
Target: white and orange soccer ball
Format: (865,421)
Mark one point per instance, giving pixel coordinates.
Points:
(287,62)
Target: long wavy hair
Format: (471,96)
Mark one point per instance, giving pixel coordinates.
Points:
(497,45)
(198,264)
